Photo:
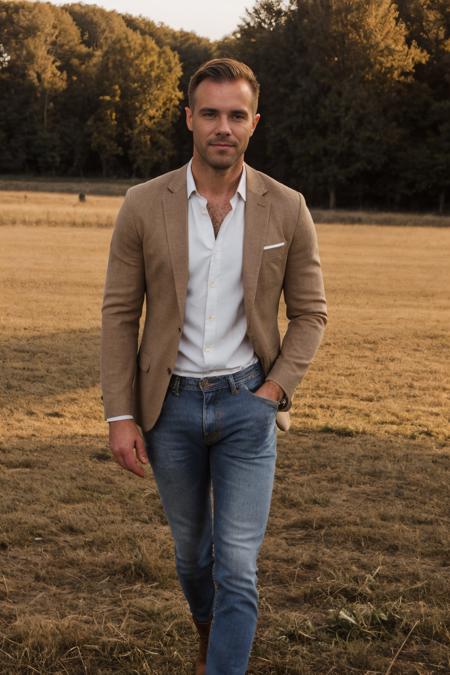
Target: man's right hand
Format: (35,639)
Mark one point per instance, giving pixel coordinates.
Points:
(127,446)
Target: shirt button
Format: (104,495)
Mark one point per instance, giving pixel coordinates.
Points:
(212,284)
(211,317)
(169,371)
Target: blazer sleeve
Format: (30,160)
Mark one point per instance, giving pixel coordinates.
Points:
(121,311)
(306,307)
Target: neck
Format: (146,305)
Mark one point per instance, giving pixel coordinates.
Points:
(218,182)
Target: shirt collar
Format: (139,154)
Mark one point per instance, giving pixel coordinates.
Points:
(241,188)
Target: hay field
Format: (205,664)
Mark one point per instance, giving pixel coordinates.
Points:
(50,209)
(354,571)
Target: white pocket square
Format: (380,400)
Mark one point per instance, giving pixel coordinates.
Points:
(281,243)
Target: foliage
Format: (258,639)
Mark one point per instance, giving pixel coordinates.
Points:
(84,91)
(425,151)
(337,67)
(355,95)
(192,51)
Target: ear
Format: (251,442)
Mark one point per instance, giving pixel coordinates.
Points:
(188,118)
(255,121)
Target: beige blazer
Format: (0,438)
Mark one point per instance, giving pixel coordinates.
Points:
(149,260)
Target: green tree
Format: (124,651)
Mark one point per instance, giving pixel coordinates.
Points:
(97,26)
(422,160)
(84,91)
(156,108)
(147,78)
(329,68)
(258,41)
(192,51)
(86,103)
(41,42)
(102,126)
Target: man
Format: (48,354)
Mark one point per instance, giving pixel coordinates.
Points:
(211,246)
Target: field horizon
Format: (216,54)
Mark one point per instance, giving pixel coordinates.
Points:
(354,572)
(94,188)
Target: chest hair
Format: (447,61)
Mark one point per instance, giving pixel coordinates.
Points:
(217,212)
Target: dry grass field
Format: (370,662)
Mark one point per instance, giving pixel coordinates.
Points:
(44,201)
(63,209)
(354,571)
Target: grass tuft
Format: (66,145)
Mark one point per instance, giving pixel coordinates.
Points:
(354,572)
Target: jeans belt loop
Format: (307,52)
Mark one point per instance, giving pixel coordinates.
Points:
(176,385)
(232,384)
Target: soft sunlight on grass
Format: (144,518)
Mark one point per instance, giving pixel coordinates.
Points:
(356,555)
(49,209)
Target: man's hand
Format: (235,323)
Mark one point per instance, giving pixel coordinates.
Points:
(127,445)
(270,390)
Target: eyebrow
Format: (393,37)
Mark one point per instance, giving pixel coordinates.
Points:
(241,111)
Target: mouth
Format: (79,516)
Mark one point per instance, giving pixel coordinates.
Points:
(222,145)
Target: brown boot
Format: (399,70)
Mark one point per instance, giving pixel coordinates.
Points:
(203,631)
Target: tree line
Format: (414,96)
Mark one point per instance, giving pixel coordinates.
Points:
(355,95)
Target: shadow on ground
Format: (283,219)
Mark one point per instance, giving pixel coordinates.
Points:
(354,561)
(50,364)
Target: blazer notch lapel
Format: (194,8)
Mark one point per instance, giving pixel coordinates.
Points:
(257,212)
(176,221)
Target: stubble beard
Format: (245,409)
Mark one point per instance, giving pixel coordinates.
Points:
(221,163)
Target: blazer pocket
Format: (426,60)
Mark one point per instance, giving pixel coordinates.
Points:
(144,361)
(273,263)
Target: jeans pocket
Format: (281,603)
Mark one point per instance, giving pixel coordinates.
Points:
(268,401)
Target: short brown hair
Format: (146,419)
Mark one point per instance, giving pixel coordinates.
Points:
(221,70)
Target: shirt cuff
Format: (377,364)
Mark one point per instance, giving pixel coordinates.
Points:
(119,417)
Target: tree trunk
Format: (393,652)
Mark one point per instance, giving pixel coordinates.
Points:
(442,203)
(332,197)
(104,166)
(45,109)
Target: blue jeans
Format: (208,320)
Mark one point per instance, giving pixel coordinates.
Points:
(213,453)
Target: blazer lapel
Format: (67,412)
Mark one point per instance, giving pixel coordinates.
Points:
(257,210)
(176,220)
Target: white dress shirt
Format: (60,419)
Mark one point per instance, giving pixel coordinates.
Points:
(214,338)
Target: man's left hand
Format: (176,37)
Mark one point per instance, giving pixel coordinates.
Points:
(270,390)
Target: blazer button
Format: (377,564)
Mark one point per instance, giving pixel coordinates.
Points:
(169,371)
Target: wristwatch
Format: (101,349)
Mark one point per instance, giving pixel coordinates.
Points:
(282,403)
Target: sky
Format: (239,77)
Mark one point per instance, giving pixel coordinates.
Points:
(206,17)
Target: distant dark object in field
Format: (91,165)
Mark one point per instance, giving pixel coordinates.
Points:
(82,197)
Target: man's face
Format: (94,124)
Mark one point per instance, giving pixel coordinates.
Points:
(222,121)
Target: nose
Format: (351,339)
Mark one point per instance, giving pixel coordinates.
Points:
(223,126)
